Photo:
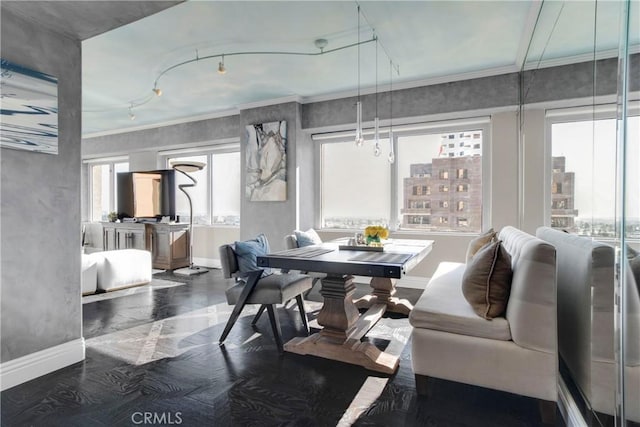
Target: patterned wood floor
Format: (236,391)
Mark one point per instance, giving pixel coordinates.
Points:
(156,355)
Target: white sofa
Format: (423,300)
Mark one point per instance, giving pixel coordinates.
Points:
(516,353)
(112,270)
(586,331)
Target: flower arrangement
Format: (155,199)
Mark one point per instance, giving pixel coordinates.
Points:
(374,233)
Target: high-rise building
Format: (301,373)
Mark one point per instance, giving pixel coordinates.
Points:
(563,190)
(446,194)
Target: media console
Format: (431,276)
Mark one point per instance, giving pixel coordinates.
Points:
(168,243)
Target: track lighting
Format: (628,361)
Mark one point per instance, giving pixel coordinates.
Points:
(157,91)
(131,115)
(221,67)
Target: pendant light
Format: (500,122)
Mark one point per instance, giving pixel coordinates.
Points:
(392,155)
(376,122)
(359,137)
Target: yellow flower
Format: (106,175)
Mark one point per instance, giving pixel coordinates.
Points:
(376,231)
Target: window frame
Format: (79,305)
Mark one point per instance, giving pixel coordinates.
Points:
(463,124)
(209,151)
(103,161)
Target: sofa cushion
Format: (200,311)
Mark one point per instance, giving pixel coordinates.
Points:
(247,254)
(476,244)
(487,280)
(443,307)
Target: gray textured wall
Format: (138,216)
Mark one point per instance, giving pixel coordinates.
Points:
(40,207)
(160,138)
(274,219)
(486,92)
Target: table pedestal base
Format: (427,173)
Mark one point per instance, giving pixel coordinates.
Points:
(383,291)
(343,327)
(351,351)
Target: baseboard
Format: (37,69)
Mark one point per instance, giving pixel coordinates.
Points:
(34,365)
(568,408)
(207,262)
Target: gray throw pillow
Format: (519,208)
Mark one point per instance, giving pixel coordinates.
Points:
(486,282)
(479,242)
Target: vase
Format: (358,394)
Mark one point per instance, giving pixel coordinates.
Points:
(373,239)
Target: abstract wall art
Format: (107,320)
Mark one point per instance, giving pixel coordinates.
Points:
(28,109)
(266,162)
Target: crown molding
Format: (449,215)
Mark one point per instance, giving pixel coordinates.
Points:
(208,116)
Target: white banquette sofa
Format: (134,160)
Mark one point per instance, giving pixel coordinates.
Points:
(586,324)
(515,353)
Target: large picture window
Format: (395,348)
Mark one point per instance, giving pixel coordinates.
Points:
(583,165)
(435,184)
(103,193)
(216,197)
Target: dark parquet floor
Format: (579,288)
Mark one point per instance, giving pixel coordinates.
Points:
(153,358)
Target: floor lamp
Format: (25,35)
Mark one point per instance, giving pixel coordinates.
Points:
(184,167)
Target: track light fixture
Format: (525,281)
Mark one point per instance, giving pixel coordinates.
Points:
(320,44)
(221,68)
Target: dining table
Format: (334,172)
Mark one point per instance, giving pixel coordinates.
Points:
(343,326)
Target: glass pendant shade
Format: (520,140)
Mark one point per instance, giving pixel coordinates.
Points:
(392,155)
(359,136)
(376,138)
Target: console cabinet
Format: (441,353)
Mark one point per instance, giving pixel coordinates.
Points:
(168,243)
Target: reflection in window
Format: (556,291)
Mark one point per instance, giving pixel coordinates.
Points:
(583,174)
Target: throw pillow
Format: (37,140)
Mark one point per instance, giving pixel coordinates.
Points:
(479,242)
(247,254)
(486,282)
(307,238)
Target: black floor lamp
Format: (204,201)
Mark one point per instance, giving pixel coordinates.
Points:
(184,167)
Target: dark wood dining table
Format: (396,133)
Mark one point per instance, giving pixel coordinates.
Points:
(343,326)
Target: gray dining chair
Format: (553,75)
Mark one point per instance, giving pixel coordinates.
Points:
(253,288)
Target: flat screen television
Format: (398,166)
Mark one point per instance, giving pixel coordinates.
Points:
(146,194)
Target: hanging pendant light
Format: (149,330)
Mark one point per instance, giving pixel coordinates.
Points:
(392,155)
(376,121)
(359,135)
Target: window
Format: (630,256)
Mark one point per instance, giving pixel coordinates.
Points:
(462,222)
(216,197)
(103,188)
(356,187)
(426,149)
(583,165)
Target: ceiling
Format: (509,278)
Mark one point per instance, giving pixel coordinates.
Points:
(428,41)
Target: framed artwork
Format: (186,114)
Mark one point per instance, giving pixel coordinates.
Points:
(266,162)
(29,109)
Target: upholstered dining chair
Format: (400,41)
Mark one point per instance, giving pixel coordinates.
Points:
(254,287)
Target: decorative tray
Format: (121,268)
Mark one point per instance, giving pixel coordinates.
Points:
(361,248)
